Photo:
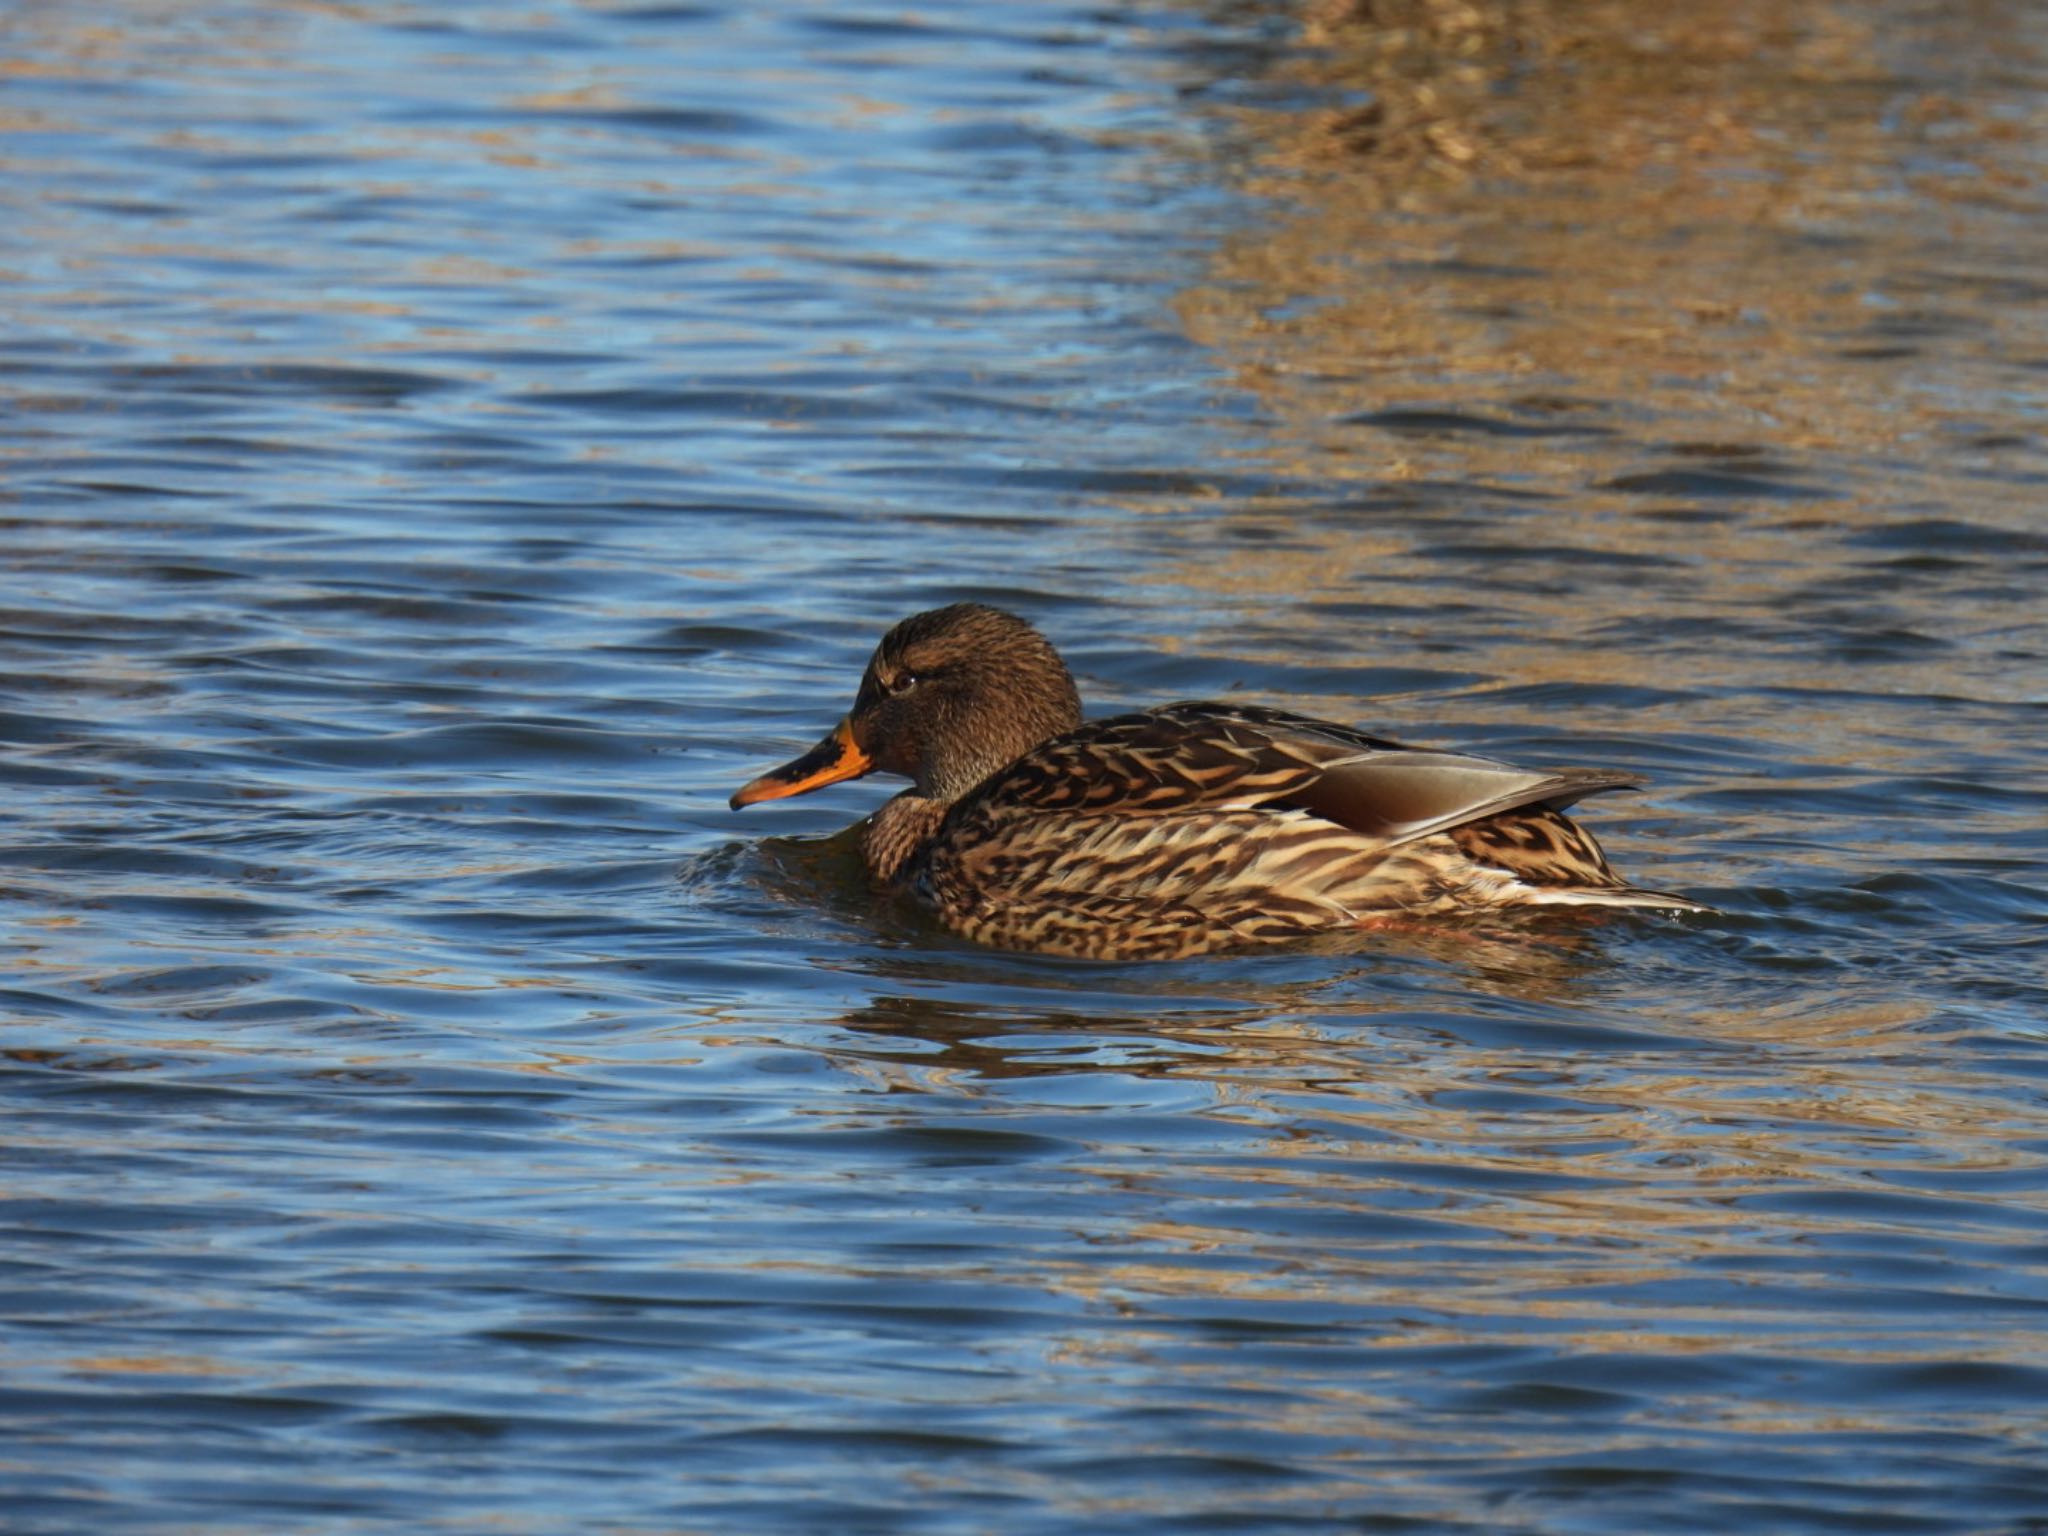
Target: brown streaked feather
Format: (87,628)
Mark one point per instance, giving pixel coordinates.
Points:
(1190,757)
(896,831)
(1537,846)
(1559,861)
(1228,825)
(1184,757)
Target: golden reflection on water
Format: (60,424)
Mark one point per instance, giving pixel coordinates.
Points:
(1590,254)
(1664,189)
(1615,1197)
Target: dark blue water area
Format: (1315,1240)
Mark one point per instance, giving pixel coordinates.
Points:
(448,449)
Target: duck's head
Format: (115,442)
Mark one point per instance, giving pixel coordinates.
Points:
(948,697)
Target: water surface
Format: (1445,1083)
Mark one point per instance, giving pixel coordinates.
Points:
(449,448)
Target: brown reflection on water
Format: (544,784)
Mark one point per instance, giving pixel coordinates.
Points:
(1697,285)
(1589,1191)
(1624,1179)
(1641,194)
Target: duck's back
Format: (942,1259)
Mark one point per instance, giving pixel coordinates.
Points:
(1203,826)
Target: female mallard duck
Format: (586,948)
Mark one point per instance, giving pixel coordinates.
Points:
(1180,830)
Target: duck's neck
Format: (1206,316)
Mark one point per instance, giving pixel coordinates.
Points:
(897,830)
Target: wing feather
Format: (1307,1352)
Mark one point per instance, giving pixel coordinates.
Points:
(1190,758)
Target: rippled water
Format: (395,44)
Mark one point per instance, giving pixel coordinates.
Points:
(448,448)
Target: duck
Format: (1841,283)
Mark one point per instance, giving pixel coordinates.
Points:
(1182,830)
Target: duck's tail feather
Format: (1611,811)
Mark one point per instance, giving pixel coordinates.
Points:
(1613,896)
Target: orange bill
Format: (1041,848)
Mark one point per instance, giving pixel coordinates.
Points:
(836,757)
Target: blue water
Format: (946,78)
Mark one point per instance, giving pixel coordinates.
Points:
(448,449)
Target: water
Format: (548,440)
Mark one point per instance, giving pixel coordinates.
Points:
(449,448)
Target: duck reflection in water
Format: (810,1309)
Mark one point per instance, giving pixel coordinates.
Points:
(1182,830)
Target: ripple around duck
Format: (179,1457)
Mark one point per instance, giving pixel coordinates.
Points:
(378,386)
(496,741)
(1412,422)
(1716,483)
(1924,537)
(726,404)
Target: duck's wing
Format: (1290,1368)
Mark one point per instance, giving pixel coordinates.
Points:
(1220,757)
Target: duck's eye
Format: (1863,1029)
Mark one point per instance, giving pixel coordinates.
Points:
(902,682)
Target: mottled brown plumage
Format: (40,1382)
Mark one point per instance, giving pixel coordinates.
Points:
(1180,830)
